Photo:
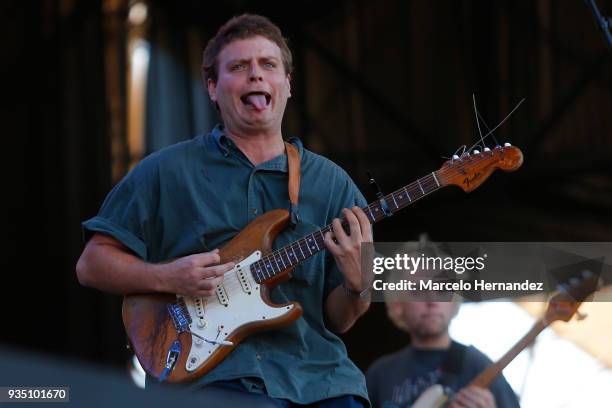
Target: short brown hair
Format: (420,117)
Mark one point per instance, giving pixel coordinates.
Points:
(239,28)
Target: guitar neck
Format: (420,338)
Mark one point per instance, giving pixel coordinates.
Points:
(302,249)
(486,377)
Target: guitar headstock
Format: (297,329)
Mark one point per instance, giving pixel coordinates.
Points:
(566,302)
(469,171)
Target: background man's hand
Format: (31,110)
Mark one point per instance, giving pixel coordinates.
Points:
(473,397)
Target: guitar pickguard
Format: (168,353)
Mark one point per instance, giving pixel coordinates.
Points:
(236,302)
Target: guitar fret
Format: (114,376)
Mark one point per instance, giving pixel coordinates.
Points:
(420,186)
(407,195)
(277,266)
(371,215)
(299,246)
(435,178)
(393,197)
(281,259)
(307,246)
(288,256)
(269,266)
(320,240)
(376,210)
(418,193)
(429,184)
(315,242)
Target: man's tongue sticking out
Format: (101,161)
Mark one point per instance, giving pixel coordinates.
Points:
(257,101)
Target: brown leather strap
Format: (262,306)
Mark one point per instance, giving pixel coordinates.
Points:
(293,165)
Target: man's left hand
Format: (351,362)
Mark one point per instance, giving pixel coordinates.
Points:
(473,397)
(347,248)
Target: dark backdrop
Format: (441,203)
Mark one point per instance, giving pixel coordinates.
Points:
(379,85)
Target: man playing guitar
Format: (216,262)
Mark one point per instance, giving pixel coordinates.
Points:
(160,228)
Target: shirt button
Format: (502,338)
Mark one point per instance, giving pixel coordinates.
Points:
(258,356)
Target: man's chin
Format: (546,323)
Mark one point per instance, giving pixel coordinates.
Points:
(430,332)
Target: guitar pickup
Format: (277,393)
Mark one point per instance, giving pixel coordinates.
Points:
(222,295)
(243,279)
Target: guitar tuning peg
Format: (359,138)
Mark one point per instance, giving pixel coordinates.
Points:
(486,149)
(507,144)
(476,152)
(455,157)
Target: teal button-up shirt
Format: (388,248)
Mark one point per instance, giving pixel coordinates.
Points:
(194,197)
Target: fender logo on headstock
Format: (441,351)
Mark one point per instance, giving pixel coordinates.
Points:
(467,181)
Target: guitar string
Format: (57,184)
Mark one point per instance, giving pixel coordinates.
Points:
(231,282)
(271,259)
(267,262)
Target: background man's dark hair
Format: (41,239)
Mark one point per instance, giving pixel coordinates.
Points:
(239,28)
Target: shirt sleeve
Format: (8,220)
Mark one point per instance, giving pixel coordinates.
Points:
(127,210)
(504,394)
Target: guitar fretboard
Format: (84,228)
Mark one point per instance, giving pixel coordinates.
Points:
(302,249)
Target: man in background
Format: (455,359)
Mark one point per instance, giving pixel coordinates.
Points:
(432,357)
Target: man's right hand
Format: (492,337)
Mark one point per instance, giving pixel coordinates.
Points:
(108,265)
(193,275)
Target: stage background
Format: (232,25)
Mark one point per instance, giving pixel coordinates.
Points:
(379,85)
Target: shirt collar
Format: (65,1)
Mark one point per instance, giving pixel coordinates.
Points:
(224,143)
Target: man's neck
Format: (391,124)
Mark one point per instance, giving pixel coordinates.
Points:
(440,342)
(258,147)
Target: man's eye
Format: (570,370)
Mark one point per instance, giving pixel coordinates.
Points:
(269,65)
(237,67)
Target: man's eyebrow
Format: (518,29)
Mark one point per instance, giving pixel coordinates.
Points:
(238,60)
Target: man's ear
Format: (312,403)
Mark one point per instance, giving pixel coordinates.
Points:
(212,89)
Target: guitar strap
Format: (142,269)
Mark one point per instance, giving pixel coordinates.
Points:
(451,368)
(293,166)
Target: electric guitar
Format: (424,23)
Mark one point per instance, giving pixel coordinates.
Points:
(180,338)
(562,306)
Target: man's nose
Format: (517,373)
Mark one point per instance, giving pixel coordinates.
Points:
(255,74)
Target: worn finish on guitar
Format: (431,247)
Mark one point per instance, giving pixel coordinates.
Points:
(150,328)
